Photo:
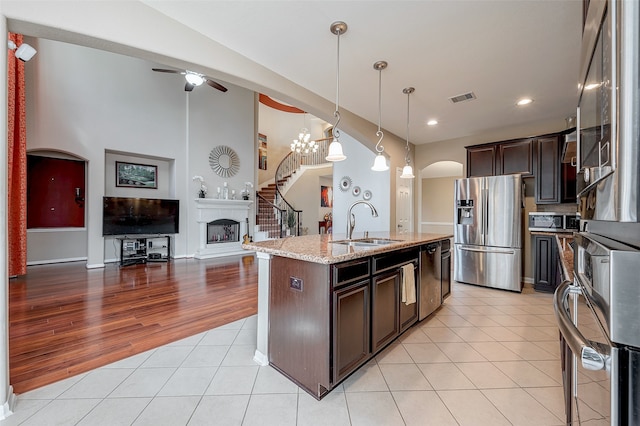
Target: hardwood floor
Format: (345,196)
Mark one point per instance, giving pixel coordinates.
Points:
(65,319)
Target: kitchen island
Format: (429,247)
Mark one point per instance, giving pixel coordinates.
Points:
(327,305)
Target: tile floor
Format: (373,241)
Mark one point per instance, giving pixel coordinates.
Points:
(487,357)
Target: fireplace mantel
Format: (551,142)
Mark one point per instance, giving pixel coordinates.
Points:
(210,209)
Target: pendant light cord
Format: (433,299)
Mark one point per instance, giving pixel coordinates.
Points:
(336,113)
(408,91)
(379,133)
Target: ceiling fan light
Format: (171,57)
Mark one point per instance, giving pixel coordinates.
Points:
(335,152)
(380,163)
(407,172)
(193,79)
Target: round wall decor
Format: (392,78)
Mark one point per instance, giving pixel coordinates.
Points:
(224,161)
(366,195)
(345,183)
(355,191)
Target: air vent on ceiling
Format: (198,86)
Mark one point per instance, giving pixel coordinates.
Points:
(462,98)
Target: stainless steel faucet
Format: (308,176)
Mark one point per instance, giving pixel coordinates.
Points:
(351,218)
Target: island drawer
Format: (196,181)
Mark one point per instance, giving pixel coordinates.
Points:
(347,272)
(386,261)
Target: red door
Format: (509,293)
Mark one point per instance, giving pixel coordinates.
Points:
(55,192)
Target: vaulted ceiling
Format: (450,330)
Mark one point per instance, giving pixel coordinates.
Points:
(499,50)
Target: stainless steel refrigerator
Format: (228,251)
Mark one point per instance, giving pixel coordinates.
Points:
(487,233)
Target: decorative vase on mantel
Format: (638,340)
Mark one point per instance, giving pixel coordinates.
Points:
(201,193)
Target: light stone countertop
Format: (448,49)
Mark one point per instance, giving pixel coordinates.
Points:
(320,249)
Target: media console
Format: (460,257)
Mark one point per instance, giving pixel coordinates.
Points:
(143,249)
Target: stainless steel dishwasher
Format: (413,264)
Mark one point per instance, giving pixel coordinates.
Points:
(430,280)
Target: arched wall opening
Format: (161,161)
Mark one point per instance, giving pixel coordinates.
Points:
(436,196)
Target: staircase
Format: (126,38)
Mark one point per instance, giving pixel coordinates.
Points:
(267,215)
(272,209)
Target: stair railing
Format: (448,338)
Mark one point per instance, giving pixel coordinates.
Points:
(278,213)
(289,165)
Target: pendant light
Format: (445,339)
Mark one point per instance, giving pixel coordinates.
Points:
(335,147)
(380,163)
(407,170)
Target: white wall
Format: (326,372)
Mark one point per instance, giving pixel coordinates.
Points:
(304,195)
(105,107)
(357,166)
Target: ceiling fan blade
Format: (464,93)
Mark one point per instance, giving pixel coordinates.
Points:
(216,85)
(188,87)
(165,70)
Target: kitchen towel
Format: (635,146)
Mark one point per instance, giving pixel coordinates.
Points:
(408,284)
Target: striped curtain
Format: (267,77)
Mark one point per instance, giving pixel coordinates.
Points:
(17,163)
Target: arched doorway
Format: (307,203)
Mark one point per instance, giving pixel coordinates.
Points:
(436,196)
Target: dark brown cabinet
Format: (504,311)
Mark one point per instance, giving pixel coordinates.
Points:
(539,157)
(325,321)
(385,303)
(481,161)
(545,275)
(548,171)
(409,313)
(352,328)
(515,157)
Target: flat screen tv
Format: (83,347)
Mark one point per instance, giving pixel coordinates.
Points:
(129,216)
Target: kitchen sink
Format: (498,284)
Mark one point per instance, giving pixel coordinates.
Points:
(364,242)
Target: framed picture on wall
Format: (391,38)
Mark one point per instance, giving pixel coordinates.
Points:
(326,196)
(262,151)
(133,175)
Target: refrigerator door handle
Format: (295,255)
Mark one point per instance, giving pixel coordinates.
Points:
(487,250)
(486,214)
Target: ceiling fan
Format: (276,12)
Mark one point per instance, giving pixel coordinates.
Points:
(193,79)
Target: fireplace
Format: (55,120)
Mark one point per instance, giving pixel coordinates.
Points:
(222,224)
(223,231)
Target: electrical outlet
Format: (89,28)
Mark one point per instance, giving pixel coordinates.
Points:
(295,283)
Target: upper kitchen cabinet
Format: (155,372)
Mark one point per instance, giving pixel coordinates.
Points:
(505,158)
(555,181)
(537,157)
(515,157)
(548,171)
(481,161)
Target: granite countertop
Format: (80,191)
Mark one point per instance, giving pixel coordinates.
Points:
(320,249)
(566,255)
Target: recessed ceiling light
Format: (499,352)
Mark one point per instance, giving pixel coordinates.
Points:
(432,122)
(524,101)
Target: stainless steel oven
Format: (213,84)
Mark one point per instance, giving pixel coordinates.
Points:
(600,333)
(608,119)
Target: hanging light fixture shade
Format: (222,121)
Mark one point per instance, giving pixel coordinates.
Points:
(407,170)
(380,163)
(335,147)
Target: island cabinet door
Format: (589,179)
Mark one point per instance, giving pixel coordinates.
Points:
(351,321)
(409,313)
(385,304)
